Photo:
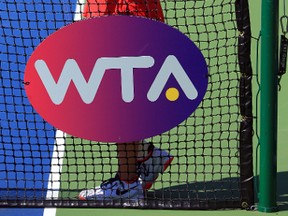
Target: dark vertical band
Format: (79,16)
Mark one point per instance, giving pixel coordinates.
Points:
(246,126)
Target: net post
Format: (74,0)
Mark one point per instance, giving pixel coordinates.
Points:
(268,106)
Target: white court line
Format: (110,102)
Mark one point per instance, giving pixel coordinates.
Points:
(59,146)
(55,171)
(79,9)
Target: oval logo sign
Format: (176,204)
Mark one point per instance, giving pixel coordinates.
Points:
(116,78)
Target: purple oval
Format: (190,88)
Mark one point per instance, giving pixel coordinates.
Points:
(116,78)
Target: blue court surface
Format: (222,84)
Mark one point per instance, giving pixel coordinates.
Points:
(25,154)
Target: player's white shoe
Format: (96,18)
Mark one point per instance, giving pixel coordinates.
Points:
(155,163)
(114,189)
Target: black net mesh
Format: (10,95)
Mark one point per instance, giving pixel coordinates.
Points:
(42,166)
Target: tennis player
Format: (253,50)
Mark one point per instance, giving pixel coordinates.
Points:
(140,162)
(145,8)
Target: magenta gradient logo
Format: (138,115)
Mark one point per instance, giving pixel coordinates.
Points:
(116,78)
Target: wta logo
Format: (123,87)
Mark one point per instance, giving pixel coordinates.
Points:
(116,78)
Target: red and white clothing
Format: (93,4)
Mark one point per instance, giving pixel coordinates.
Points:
(145,8)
